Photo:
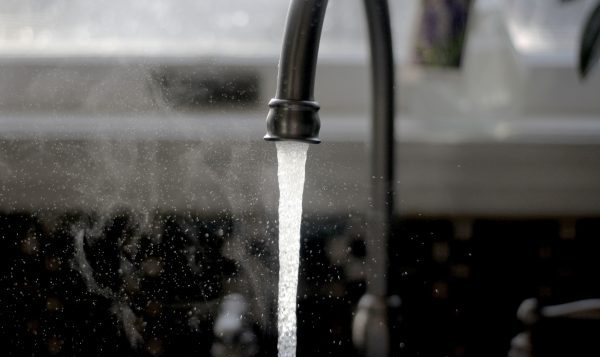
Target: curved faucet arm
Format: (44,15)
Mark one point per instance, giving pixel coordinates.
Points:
(298,61)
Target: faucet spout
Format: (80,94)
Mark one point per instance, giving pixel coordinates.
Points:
(294,111)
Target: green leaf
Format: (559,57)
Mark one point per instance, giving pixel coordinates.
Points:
(590,44)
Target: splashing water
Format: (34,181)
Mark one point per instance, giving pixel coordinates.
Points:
(291,157)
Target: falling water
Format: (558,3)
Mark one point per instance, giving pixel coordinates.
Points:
(291,157)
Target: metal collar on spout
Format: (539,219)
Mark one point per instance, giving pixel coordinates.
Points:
(296,120)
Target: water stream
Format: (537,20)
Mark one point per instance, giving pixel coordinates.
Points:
(291,157)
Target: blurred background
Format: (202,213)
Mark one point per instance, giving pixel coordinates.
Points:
(138,201)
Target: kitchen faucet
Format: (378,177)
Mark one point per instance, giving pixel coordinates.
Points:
(293,115)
